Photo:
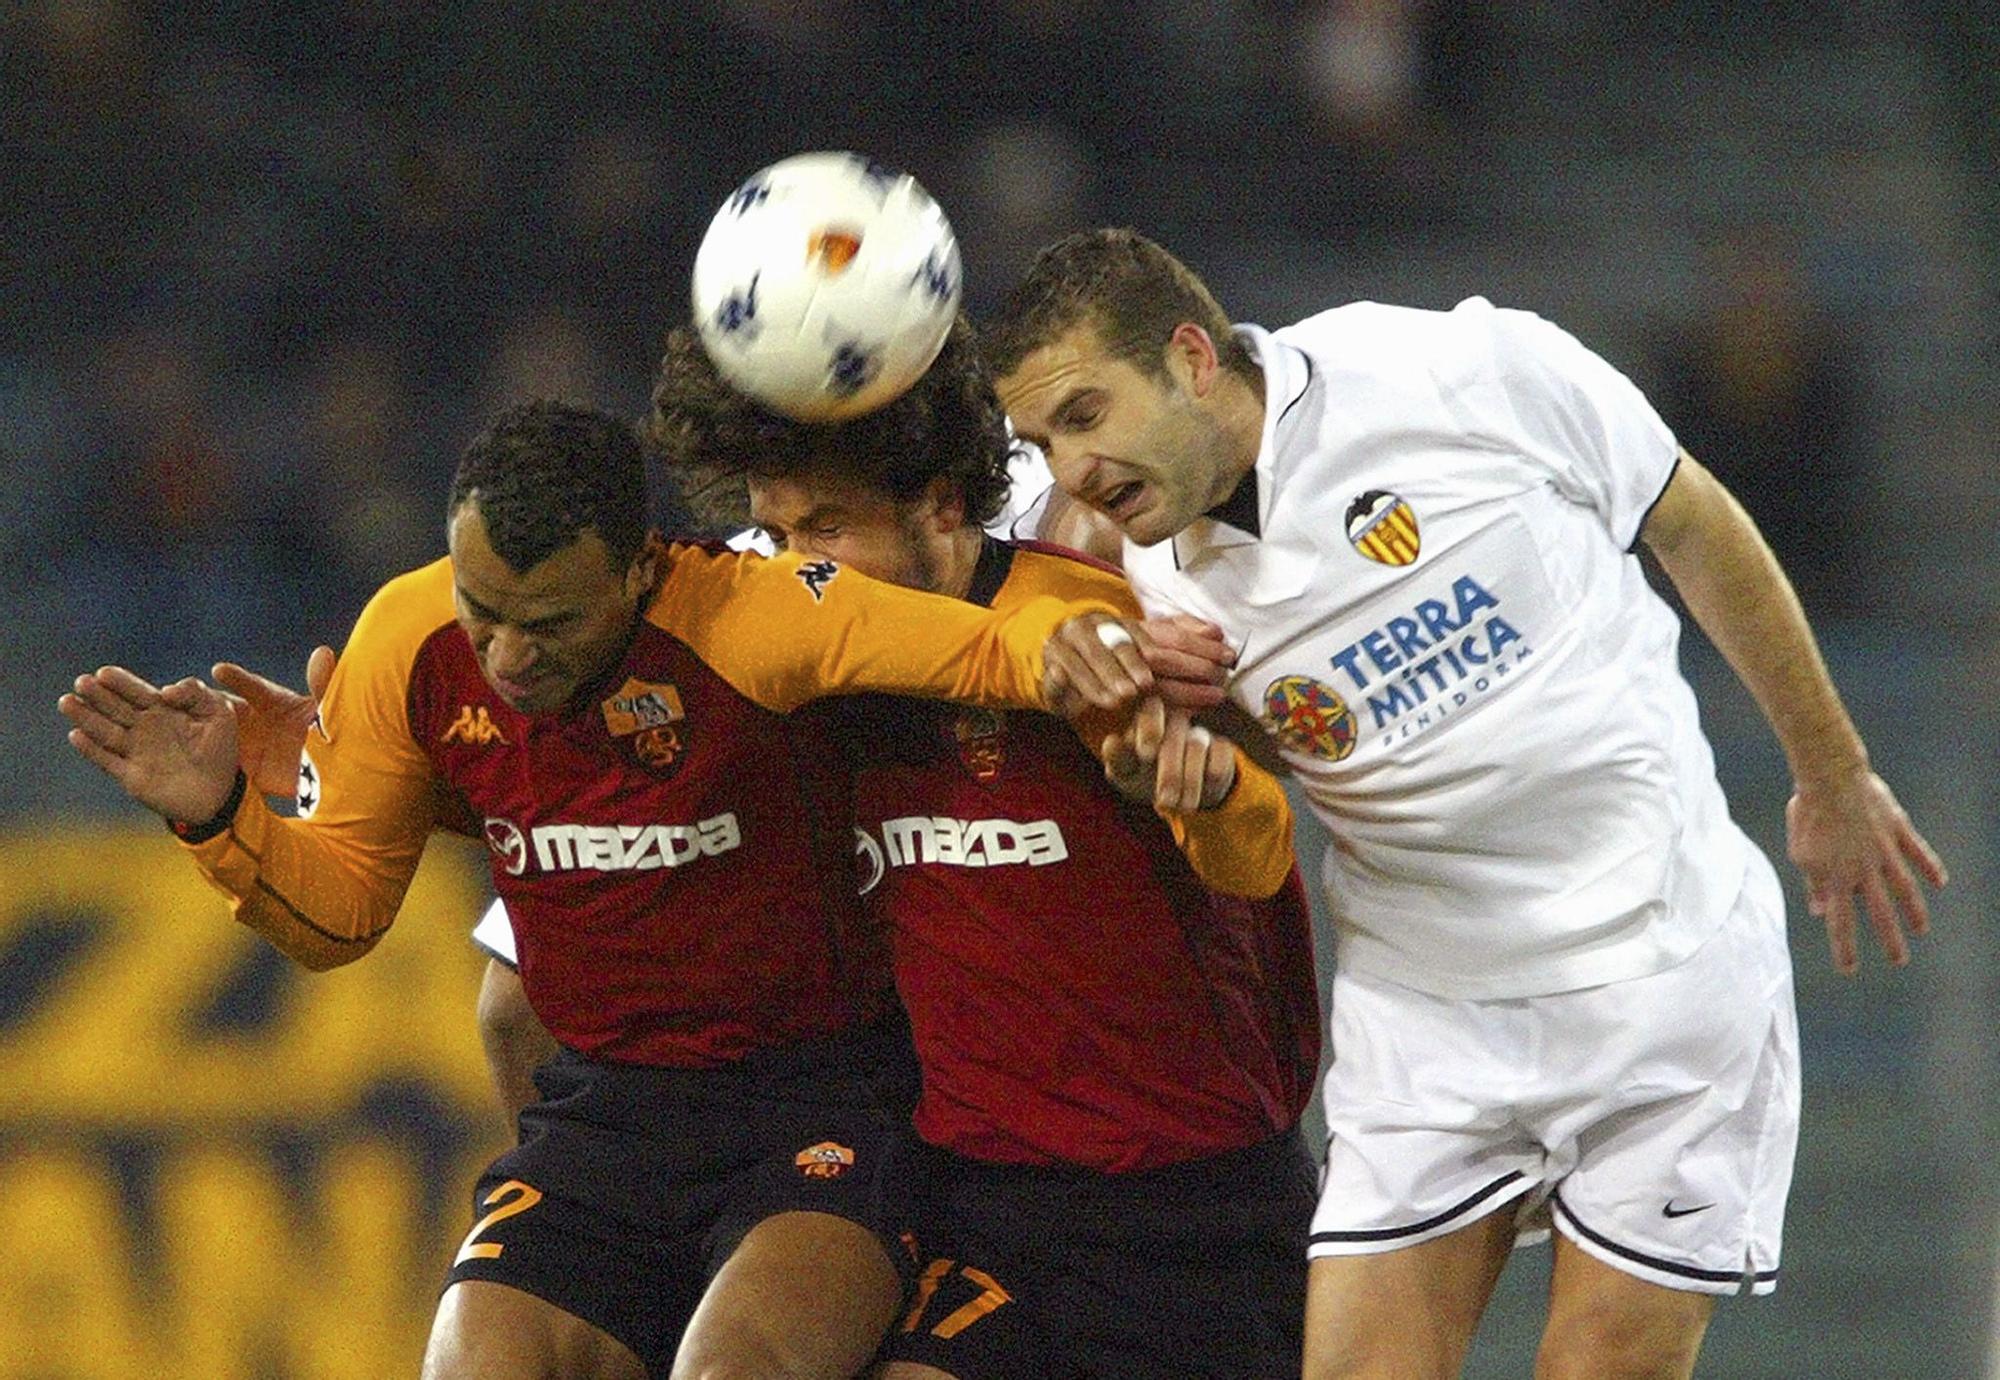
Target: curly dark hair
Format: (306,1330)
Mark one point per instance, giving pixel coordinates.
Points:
(949,425)
(1133,293)
(545,472)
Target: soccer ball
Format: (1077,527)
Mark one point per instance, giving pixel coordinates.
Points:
(826,285)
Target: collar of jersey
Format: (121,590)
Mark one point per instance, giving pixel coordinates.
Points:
(1287,372)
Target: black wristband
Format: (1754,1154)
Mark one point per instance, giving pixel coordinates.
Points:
(217,823)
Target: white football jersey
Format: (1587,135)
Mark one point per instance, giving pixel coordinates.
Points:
(1027,495)
(1444,628)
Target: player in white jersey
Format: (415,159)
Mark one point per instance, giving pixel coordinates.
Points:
(1562,967)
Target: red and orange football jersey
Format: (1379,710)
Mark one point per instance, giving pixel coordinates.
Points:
(674,848)
(1078,996)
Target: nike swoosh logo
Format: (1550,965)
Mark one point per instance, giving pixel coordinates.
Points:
(1671,1211)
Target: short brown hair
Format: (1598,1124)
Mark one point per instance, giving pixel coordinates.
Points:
(1131,291)
(948,425)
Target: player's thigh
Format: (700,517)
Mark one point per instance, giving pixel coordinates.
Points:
(804,1295)
(1685,1131)
(489,1331)
(1609,1324)
(578,1260)
(1408,1313)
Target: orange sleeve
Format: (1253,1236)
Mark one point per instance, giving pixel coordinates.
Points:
(1242,847)
(324,887)
(784,630)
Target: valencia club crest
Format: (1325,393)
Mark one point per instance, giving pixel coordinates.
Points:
(1383,527)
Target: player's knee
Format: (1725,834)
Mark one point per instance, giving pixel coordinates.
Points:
(1380,1360)
(1374,1350)
(1619,1344)
(743,1357)
(746,1347)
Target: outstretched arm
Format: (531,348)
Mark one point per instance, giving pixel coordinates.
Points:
(786,630)
(1848,833)
(324,888)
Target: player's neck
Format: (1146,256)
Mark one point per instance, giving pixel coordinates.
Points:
(955,572)
(1239,412)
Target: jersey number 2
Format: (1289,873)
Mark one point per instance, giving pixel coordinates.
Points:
(510,1198)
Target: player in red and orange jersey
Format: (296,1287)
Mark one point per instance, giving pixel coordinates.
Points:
(611,713)
(1114,1056)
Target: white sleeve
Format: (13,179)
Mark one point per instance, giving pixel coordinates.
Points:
(753,539)
(1029,484)
(1587,422)
(495,934)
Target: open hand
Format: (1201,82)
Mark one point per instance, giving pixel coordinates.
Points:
(1850,837)
(177,758)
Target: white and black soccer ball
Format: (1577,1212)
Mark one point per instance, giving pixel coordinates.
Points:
(826,285)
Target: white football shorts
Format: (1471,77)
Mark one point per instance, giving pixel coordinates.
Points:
(1656,1117)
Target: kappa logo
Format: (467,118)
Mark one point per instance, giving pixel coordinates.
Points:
(475,727)
(1309,716)
(827,1160)
(1383,528)
(816,576)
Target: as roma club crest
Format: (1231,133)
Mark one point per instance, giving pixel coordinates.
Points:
(982,742)
(651,716)
(1383,528)
(1309,716)
(826,1160)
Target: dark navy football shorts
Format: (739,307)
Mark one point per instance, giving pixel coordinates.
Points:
(1034,1273)
(630,1186)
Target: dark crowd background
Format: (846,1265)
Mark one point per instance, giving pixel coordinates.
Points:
(263,269)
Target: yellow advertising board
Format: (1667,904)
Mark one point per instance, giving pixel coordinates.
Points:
(213,1163)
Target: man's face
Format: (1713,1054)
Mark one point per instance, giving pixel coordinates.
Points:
(542,634)
(1142,449)
(818,514)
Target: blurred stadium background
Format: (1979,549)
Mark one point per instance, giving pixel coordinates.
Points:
(266,267)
